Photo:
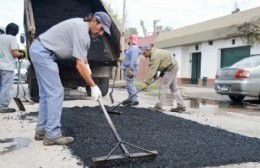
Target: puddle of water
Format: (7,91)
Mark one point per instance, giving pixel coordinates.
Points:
(11,144)
(215,105)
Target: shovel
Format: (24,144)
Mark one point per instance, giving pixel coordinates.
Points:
(110,94)
(17,99)
(24,95)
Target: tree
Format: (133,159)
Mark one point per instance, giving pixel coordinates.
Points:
(167,28)
(113,14)
(131,30)
(249,32)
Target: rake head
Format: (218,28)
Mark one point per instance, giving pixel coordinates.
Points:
(100,161)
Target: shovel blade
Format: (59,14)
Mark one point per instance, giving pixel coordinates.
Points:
(111,97)
(19,104)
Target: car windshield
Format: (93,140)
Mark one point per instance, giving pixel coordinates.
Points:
(247,62)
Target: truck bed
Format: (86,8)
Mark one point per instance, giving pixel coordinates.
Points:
(103,51)
(40,15)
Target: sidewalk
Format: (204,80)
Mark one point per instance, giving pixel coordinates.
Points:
(189,91)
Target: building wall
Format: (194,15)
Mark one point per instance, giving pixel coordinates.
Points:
(210,59)
(143,68)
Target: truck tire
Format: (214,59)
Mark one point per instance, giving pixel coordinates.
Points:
(103,84)
(32,84)
(236,98)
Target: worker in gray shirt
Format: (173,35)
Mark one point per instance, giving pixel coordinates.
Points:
(8,54)
(70,38)
(130,65)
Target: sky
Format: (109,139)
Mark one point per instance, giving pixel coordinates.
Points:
(11,11)
(171,13)
(176,13)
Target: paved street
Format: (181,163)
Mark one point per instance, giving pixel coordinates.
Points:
(18,149)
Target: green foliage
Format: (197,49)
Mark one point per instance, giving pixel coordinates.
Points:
(131,30)
(249,32)
(167,28)
(113,14)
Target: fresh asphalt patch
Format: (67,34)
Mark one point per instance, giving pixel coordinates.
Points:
(180,143)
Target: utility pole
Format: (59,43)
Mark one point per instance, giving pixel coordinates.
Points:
(123,35)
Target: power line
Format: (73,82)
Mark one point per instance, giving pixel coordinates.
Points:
(187,9)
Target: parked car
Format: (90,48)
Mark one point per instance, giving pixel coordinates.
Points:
(23,71)
(239,80)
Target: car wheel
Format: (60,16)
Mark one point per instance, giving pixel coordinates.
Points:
(236,98)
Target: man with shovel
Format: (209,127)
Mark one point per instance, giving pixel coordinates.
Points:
(68,39)
(162,60)
(8,54)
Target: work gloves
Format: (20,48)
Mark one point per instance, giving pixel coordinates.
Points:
(145,86)
(95,93)
(23,54)
(129,73)
(162,73)
(88,69)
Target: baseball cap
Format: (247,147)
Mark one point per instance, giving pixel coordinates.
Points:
(105,21)
(134,38)
(145,48)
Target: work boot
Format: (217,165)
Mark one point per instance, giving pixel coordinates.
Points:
(58,141)
(7,110)
(132,103)
(178,109)
(39,135)
(156,109)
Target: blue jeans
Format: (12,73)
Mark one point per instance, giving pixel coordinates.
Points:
(130,87)
(51,91)
(6,85)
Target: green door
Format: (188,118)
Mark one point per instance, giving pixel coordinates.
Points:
(229,56)
(195,68)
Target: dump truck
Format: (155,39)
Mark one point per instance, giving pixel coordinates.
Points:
(103,53)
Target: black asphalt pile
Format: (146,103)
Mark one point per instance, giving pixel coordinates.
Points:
(181,143)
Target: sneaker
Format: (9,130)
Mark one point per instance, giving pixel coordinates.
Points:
(58,141)
(8,110)
(132,103)
(155,109)
(178,109)
(39,135)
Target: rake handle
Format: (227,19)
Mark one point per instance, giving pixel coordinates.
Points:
(134,94)
(113,127)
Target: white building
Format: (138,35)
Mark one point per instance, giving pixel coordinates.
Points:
(202,48)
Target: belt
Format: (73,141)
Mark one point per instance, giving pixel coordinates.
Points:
(170,67)
(51,52)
